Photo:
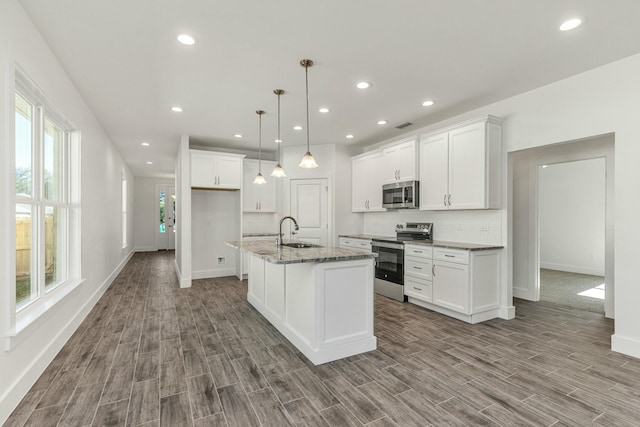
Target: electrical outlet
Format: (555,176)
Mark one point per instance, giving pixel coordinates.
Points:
(222,260)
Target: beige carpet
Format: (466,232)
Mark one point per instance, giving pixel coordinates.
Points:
(563,288)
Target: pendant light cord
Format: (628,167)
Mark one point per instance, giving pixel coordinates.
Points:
(306,79)
(260,143)
(279,140)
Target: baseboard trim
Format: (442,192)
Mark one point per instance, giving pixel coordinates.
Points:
(185,282)
(572,269)
(209,274)
(507,312)
(16,392)
(625,345)
(145,249)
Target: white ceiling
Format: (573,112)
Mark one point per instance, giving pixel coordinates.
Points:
(124,58)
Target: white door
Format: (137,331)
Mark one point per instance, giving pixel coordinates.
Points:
(165,217)
(434,167)
(310,209)
(467,167)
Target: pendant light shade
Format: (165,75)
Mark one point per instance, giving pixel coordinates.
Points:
(307,161)
(259,178)
(278,172)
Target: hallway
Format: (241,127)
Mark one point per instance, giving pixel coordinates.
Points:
(152,354)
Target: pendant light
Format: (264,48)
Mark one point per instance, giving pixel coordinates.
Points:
(307,161)
(278,172)
(259,178)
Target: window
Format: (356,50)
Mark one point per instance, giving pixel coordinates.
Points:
(124,210)
(42,206)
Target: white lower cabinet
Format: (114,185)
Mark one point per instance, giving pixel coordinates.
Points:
(459,283)
(354,243)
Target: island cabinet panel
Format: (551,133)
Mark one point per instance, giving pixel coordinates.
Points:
(325,309)
(274,290)
(348,315)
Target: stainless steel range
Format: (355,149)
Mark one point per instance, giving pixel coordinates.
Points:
(389,269)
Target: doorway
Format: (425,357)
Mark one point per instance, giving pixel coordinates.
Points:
(165,207)
(571,217)
(525,219)
(309,206)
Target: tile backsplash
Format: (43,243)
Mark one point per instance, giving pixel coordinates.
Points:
(482,226)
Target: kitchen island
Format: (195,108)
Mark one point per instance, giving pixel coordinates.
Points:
(319,298)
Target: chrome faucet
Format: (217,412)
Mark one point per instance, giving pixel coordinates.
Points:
(280,234)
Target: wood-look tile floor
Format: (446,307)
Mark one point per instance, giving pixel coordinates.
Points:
(152,354)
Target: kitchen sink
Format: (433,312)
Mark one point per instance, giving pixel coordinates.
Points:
(300,245)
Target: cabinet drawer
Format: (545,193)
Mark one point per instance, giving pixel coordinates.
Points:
(418,288)
(451,255)
(418,267)
(418,251)
(365,245)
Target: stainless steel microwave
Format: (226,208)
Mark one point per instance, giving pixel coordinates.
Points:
(401,195)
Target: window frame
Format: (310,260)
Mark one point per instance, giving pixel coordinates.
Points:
(66,205)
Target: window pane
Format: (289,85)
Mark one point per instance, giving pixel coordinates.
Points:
(53,154)
(162,224)
(23,254)
(24,138)
(54,256)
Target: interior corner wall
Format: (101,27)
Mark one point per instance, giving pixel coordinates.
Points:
(100,192)
(571,199)
(145,212)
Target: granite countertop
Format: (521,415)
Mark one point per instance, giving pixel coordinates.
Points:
(456,245)
(268,251)
(259,234)
(435,243)
(363,236)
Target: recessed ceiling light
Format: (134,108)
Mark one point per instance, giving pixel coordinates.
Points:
(324,110)
(427,103)
(298,127)
(144,144)
(277,141)
(237,135)
(149,163)
(363,85)
(349,136)
(186,39)
(382,122)
(570,24)
(176,109)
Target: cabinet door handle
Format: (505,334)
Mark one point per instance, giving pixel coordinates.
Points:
(444,200)
(417,252)
(417,289)
(433,270)
(417,268)
(260,205)
(449,256)
(449,199)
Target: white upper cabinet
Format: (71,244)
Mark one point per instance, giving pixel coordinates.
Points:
(216,170)
(461,167)
(400,162)
(366,182)
(258,197)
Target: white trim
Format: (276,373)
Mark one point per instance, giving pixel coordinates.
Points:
(580,269)
(625,345)
(144,249)
(507,313)
(185,282)
(208,274)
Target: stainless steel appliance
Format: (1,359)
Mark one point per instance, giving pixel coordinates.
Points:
(389,268)
(404,194)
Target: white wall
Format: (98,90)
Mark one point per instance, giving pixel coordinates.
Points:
(101,168)
(598,102)
(214,220)
(145,212)
(572,216)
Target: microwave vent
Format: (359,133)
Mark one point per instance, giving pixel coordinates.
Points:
(403,125)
